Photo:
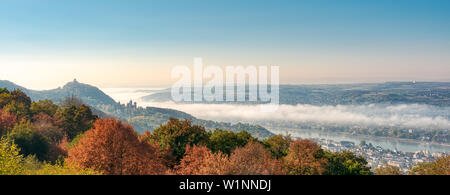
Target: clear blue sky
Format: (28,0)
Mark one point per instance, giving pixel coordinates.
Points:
(135,43)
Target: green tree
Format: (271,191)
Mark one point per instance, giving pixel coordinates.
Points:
(177,135)
(346,163)
(387,170)
(10,159)
(60,168)
(29,140)
(32,166)
(440,166)
(278,145)
(5,97)
(76,120)
(20,109)
(74,141)
(45,106)
(226,141)
(20,97)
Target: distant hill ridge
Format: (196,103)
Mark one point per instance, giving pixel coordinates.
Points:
(89,94)
(142,119)
(432,93)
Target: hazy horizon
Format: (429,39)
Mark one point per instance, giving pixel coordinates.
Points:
(161,87)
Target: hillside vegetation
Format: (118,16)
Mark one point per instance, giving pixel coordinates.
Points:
(42,138)
(142,119)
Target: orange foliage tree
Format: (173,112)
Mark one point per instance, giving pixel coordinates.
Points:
(201,161)
(305,157)
(253,159)
(114,149)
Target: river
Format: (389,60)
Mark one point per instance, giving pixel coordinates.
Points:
(385,143)
(229,113)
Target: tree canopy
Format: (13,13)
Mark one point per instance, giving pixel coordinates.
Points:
(114,148)
(440,166)
(177,134)
(44,138)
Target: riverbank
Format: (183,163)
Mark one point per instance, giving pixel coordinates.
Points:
(407,145)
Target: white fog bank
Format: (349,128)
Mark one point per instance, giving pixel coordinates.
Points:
(406,115)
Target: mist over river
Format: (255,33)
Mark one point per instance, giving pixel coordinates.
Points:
(385,143)
(412,115)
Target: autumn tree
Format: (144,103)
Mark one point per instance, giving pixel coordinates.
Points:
(50,128)
(177,134)
(20,109)
(305,158)
(440,166)
(346,163)
(387,170)
(201,161)
(278,145)
(7,121)
(226,141)
(114,149)
(253,159)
